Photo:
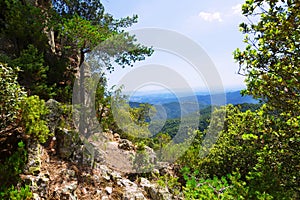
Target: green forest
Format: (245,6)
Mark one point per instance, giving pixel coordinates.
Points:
(43,45)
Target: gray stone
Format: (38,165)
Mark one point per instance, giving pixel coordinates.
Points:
(35,196)
(108,190)
(125,145)
(151,154)
(154,191)
(39,185)
(105,198)
(127,183)
(105,172)
(53,117)
(133,193)
(67,142)
(115,176)
(34,150)
(145,183)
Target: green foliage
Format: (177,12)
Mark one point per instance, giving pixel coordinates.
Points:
(23,24)
(9,175)
(270,60)
(259,146)
(24,193)
(159,142)
(33,118)
(10,96)
(271,64)
(49,41)
(83,25)
(170,182)
(190,158)
(255,145)
(141,161)
(129,121)
(226,187)
(33,74)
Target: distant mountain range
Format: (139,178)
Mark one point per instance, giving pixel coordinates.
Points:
(203,99)
(169,106)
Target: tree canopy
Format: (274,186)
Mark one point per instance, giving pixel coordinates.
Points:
(55,36)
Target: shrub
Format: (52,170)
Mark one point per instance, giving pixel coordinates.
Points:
(9,175)
(10,95)
(33,118)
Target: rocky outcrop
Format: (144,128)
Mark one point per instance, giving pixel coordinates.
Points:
(154,191)
(86,169)
(34,151)
(54,115)
(125,145)
(63,179)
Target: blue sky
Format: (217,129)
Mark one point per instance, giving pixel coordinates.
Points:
(213,25)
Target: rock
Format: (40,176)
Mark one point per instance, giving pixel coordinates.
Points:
(34,150)
(133,195)
(155,172)
(39,185)
(116,137)
(154,191)
(35,196)
(125,145)
(70,187)
(105,172)
(145,183)
(127,183)
(164,168)
(67,143)
(108,190)
(53,117)
(158,193)
(68,174)
(115,176)
(98,192)
(105,198)
(88,154)
(131,191)
(67,191)
(151,154)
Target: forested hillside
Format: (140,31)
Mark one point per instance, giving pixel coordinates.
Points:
(235,152)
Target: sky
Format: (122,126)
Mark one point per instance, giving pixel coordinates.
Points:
(213,25)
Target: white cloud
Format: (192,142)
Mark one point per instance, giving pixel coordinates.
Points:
(207,16)
(237,9)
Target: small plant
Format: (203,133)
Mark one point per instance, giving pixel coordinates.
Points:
(200,188)
(170,182)
(23,193)
(9,176)
(33,118)
(141,161)
(10,95)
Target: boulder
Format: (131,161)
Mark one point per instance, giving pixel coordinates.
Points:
(151,155)
(154,191)
(54,115)
(131,190)
(67,142)
(125,145)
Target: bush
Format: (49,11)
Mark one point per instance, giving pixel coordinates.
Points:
(226,187)
(9,175)
(11,95)
(33,121)
(23,193)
